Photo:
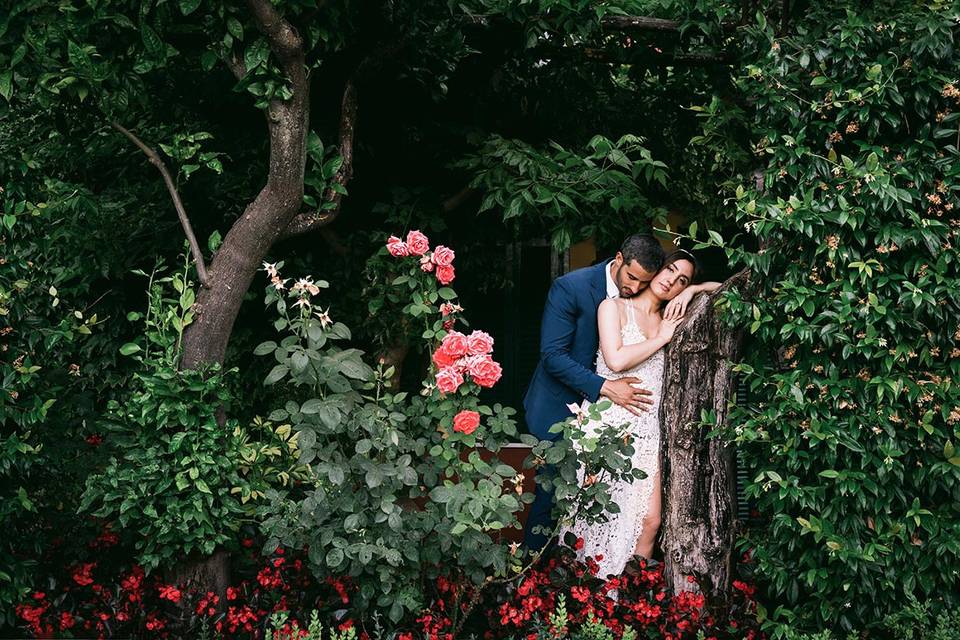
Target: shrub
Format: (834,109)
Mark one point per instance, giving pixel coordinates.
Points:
(850,438)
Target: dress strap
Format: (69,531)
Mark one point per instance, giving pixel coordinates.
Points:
(631,319)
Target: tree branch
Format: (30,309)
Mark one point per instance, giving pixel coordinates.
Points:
(646,23)
(236,66)
(308,221)
(638,23)
(284,39)
(177,203)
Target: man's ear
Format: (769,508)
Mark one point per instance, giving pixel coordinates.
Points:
(618,260)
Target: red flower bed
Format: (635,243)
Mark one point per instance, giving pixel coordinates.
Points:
(88,601)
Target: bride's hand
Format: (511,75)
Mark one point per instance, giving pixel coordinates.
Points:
(667,327)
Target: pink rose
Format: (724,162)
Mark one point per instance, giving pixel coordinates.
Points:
(449,380)
(479,343)
(443,256)
(426,264)
(485,371)
(443,359)
(397,247)
(455,344)
(466,422)
(445,274)
(446,309)
(449,324)
(418,243)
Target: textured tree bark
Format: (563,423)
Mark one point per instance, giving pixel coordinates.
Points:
(699,485)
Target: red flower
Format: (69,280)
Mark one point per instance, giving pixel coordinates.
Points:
(81,575)
(232,593)
(747,589)
(466,422)
(67,621)
(578,545)
(170,593)
(580,594)
(94,440)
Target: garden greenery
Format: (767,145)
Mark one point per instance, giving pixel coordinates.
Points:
(851,433)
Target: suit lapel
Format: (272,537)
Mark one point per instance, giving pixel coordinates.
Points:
(600,283)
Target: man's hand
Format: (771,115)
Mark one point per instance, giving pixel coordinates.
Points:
(678,306)
(623,393)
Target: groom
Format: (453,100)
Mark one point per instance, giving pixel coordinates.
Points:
(568,351)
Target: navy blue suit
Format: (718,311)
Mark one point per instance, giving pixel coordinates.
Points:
(566,373)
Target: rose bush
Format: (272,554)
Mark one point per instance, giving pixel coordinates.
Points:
(407,488)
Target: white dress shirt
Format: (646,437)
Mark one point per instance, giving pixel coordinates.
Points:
(612,290)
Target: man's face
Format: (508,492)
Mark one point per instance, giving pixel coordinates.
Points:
(631,278)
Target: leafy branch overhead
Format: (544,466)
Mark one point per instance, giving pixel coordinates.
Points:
(598,192)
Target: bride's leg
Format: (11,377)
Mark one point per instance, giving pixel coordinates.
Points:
(651,522)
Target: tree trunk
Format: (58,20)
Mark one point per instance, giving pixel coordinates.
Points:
(699,485)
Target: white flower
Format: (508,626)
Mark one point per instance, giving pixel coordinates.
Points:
(324,318)
(271,269)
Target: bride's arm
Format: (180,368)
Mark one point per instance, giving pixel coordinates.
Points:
(617,356)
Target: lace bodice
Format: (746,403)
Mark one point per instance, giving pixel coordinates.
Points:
(650,371)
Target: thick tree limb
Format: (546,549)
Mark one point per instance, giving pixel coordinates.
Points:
(284,39)
(308,221)
(646,23)
(156,161)
(264,219)
(630,55)
(699,501)
(638,23)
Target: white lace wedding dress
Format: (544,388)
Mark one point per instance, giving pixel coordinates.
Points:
(616,539)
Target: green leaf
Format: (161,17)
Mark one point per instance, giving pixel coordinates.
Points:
(202,486)
(335,558)
(265,348)
(6,84)
(276,374)
(130,348)
(312,406)
(235,28)
(188,6)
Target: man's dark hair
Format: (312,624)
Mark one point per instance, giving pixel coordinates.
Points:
(644,249)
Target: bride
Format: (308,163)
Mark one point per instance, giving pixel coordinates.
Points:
(633,333)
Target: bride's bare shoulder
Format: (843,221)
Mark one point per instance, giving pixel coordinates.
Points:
(609,306)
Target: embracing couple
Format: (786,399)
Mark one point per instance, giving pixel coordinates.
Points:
(603,332)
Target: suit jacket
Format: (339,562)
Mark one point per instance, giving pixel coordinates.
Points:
(568,349)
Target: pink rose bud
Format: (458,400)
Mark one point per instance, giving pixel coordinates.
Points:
(479,343)
(445,275)
(426,264)
(443,256)
(418,243)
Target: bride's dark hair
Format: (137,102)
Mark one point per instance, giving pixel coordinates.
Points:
(682,254)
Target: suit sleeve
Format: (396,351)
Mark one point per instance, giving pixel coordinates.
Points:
(556,338)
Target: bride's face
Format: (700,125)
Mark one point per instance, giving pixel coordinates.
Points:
(672,279)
